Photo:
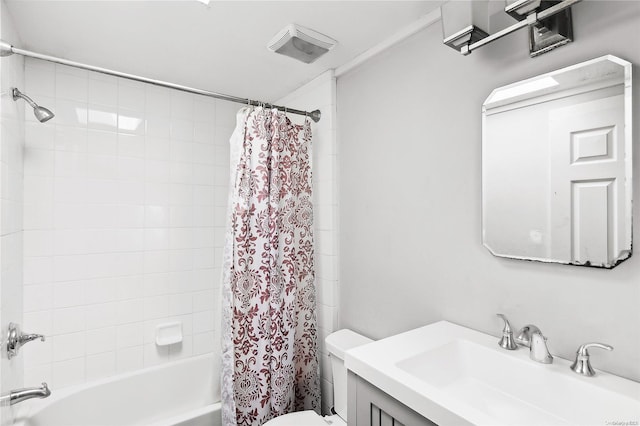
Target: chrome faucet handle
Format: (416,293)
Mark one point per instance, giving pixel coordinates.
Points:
(582,365)
(16,338)
(538,350)
(506,341)
(26,338)
(524,335)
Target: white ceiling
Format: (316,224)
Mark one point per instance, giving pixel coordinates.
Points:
(220,47)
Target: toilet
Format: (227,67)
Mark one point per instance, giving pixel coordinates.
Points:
(337,344)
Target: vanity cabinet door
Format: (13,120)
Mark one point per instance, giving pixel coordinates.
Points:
(369,406)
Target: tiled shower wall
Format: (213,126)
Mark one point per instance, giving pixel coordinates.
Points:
(11,142)
(124,212)
(320,93)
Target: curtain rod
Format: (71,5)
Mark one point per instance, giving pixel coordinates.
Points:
(7,49)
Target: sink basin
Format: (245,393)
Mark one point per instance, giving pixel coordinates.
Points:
(451,374)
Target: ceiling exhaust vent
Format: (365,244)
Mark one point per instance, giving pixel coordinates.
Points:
(301,43)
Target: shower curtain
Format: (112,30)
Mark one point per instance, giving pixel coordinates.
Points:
(269,330)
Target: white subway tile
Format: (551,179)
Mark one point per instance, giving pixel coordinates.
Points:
(100,365)
(128,311)
(157,148)
(157,101)
(183,349)
(156,284)
(156,261)
(181,105)
(203,321)
(33,375)
(155,355)
(37,297)
(130,145)
(180,194)
(203,132)
(156,216)
(156,307)
(68,346)
(131,216)
(158,126)
(150,327)
(131,96)
(180,216)
(102,315)
(131,193)
(204,153)
(72,87)
(204,300)
(102,142)
(129,287)
(69,372)
(68,294)
(103,92)
(131,169)
(68,138)
(39,322)
(70,113)
(157,194)
(131,121)
(156,239)
(69,190)
(40,81)
(180,304)
(38,354)
(204,109)
(68,320)
(131,334)
(203,195)
(157,171)
(37,136)
(203,343)
(38,162)
(38,243)
(180,260)
(181,131)
(128,359)
(100,291)
(102,166)
(100,340)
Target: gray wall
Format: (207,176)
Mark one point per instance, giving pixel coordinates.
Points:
(409,141)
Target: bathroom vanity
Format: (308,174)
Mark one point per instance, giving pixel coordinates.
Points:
(445,374)
(375,407)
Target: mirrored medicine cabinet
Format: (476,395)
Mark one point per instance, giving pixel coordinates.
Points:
(557,166)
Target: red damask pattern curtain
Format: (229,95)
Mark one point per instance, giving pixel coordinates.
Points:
(269,332)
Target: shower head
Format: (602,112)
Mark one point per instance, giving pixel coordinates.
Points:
(42,114)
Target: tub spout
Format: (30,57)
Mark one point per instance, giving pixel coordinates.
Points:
(19,395)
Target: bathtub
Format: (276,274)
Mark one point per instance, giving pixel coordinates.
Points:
(180,393)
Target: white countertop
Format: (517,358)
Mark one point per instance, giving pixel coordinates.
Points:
(490,385)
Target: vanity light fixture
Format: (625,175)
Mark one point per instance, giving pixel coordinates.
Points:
(465,23)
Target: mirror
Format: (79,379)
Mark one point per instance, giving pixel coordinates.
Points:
(556,166)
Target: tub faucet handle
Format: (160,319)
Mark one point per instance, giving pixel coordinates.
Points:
(506,341)
(16,338)
(582,365)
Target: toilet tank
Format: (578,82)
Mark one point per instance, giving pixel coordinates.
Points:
(337,344)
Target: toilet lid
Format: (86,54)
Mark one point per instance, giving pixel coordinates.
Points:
(300,418)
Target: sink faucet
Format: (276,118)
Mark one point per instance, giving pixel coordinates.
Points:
(538,350)
(19,395)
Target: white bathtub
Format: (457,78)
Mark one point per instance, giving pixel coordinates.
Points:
(181,393)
